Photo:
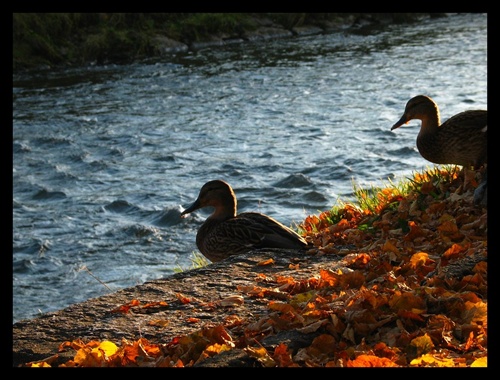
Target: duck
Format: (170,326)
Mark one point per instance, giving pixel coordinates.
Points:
(460,140)
(226,233)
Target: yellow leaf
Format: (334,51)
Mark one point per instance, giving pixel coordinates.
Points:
(419,259)
(261,355)
(108,347)
(217,348)
(39,365)
(80,356)
(481,362)
(429,360)
(422,343)
(303,297)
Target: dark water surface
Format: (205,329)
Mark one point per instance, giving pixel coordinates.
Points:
(105,158)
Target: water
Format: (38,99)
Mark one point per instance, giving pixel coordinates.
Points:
(105,158)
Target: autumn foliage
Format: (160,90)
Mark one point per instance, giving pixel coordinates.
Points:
(408,289)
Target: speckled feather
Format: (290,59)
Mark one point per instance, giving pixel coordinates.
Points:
(460,140)
(226,233)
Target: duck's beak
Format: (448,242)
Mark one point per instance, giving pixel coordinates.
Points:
(193,207)
(401,121)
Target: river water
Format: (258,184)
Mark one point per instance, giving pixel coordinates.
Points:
(106,157)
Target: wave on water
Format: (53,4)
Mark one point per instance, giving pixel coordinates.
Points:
(141,231)
(46,195)
(122,207)
(21,148)
(294,181)
(34,247)
(105,158)
(167,217)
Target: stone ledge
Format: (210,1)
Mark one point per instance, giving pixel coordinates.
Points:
(94,319)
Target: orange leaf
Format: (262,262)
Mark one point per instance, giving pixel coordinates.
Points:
(266,262)
(282,356)
(125,308)
(359,261)
(415,231)
(352,280)
(281,307)
(153,304)
(181,297)
(453,251)
(406,301)
(419,259)
(340,226)
(448,226)
(330,277)
(427,188)
(389,247)
(371,361)
(158,322)
(410,315)
(261,355)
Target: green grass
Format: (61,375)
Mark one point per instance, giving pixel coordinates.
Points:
(197,261)
(375,200)
(372,202)
(67,39)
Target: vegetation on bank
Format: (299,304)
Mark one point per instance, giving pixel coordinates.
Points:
(412,291)
(52,39)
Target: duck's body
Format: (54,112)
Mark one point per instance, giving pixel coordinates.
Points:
(226,233)
(460,140)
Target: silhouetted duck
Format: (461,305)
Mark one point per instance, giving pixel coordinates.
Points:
(460,140)
(225,233)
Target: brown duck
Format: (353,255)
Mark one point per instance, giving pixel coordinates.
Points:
(460,140)
(226,233)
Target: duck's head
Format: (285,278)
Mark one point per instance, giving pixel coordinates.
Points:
(217,194)
(417,107)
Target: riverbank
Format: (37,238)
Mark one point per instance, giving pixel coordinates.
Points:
(45,40)
(397,298)
(405,286)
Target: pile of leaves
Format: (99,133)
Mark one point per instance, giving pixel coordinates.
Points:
(412,292)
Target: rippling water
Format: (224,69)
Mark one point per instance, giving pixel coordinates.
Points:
(105,158)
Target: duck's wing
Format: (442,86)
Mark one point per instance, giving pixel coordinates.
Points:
(266,232)
(252,231)
(468,120)
(218,240)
